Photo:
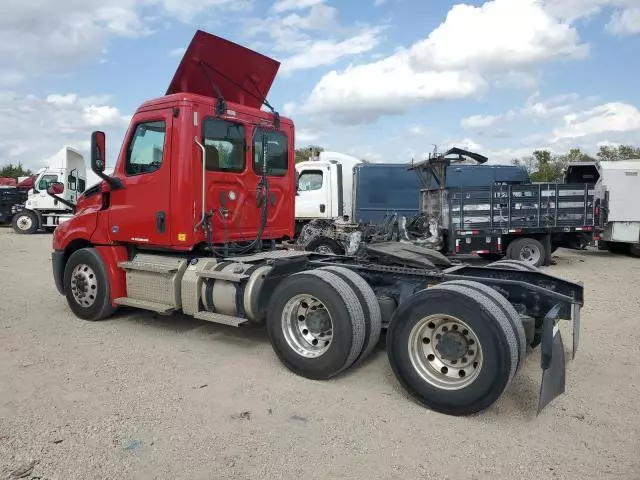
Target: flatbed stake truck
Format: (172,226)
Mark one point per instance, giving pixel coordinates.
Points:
(200,199)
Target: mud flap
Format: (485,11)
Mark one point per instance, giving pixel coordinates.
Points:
(576,329)
(552,359)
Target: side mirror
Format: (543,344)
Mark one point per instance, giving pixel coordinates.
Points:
(98,158)
(56,188)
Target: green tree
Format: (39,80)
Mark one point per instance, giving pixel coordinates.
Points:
(549,167)
(621,152)
(304,154)
(14,171)
(576,155)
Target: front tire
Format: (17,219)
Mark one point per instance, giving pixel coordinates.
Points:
(86,285)
(25,222)
(453,349)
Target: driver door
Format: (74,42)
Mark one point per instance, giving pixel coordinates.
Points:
(139,212)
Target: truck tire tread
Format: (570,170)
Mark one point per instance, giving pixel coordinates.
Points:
(369,302)
(102,308)
(495,334)
(507,309)
(347,317)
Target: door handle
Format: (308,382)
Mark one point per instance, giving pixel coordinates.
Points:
(160,222)
(322,207)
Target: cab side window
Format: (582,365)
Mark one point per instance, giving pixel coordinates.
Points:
(46,180)
(277,155)
(224,144)
(146,148)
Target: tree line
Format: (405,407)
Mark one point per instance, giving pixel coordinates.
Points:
(544,166)
(14,171)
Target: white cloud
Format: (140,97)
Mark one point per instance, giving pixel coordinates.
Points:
(479,121)
(176,52)
(42,36)
(534,107)
(305,135)
(614,117)
(34,128)
(572,10)
(625,22)
(499,34)
(363,93)
(285,5)
(419,130)
(500,37)
(306,34)
(288,109)
(327,52)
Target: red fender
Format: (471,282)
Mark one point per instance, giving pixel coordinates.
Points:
(111,255)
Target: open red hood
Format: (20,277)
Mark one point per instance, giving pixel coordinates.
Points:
(242,75)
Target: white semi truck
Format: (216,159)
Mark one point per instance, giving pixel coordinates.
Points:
(41,211)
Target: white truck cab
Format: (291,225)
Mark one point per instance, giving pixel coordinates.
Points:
(325,187)
(43,211)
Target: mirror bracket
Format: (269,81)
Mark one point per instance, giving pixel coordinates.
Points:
(63,201)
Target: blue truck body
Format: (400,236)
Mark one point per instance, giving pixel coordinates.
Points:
(380,189)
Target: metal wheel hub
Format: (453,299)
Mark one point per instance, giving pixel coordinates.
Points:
(324,249)
(445,351)
(84,285)
(24,222)
(307,326)
(529,254)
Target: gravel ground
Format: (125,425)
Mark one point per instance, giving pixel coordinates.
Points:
(140,396)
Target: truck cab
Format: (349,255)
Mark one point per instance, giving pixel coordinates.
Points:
(200,166)
(325,187)
(42,211)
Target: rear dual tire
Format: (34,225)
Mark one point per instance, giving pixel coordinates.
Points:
(467,371)
(320,322)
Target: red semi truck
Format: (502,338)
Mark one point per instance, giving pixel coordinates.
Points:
(192,219)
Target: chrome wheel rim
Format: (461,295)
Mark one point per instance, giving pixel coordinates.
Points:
(24,222)
(530,254)
(307,326)
(84,285)
(445,352)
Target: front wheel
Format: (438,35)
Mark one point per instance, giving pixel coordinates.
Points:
(86,285)
(25,222)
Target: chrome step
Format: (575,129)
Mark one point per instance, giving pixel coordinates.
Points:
(220,318)
(145,305)
(148,267)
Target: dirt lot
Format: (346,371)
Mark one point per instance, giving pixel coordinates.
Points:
(142,396)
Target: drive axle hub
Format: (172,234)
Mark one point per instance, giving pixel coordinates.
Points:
(445,351)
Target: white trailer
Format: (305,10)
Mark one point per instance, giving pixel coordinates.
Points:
(42,211)
(618,197)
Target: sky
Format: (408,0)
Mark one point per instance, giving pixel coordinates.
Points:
(385,80)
